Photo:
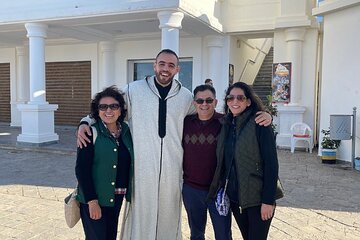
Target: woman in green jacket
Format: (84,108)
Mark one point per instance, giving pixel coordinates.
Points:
(247,163)
(103,167)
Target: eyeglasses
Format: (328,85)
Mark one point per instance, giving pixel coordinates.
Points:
(240,98)
(201,101)
(113,106)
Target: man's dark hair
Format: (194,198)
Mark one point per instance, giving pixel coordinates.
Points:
(208,80)
(168,51)
(204,87)
(113,92)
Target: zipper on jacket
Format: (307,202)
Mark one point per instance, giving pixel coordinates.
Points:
(161,158)
(240,209)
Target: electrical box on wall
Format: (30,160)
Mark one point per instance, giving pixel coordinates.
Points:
(340,127)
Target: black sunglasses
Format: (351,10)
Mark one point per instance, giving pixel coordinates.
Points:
(201,101)
(240,98)
(113,106)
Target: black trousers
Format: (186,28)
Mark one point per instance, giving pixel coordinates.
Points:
(251,225)
(104,228)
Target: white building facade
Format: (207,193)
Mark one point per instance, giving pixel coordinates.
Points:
(44,46)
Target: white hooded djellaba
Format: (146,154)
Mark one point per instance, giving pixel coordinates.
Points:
(155,208)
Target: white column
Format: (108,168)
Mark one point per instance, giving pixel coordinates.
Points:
(215,67)
(22,84)
(294,40)
(22,88)
(108,60)
(215,45)
(170,23)
(37,33)
(37,116)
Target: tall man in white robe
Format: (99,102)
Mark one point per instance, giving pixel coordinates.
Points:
(157,107)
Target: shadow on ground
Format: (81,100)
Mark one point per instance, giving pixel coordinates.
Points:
(308,183)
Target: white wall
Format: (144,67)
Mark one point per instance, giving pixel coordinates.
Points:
(252,54)
(124,51)
(244,49)
(308,81)
(137,50)
(250,15)
(192,47)
(209,11)
(133,50)
(22,11)
(235,56)
(340,71)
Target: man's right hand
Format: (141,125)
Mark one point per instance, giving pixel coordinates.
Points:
(82,139)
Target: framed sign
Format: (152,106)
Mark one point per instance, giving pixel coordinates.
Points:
(231,74)
(281,82)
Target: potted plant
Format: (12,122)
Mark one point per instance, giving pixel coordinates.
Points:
(272,109)
(357,163)
(328,147)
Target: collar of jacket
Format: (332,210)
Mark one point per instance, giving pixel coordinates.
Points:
(105,131)
(239,120)
(175,87)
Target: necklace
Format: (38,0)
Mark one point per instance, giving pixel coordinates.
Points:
(115,134)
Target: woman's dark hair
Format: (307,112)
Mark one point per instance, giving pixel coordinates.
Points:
(256,103)
(113,92)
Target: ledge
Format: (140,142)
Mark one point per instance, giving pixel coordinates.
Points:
(328,7)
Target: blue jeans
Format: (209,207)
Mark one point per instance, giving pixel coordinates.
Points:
(196,207)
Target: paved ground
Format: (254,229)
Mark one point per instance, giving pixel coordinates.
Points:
(322,201)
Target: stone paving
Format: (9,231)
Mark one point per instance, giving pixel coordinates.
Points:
(322,201)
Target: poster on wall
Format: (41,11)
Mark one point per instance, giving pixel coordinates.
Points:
(231,74)
(281,80)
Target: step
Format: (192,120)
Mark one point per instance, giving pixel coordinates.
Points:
(262,83)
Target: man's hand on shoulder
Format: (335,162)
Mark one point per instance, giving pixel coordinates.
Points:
(263,118)
(82,139)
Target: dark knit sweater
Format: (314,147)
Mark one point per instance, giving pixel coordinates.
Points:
(199,143)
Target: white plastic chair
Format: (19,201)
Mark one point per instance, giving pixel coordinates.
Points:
(301,131)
